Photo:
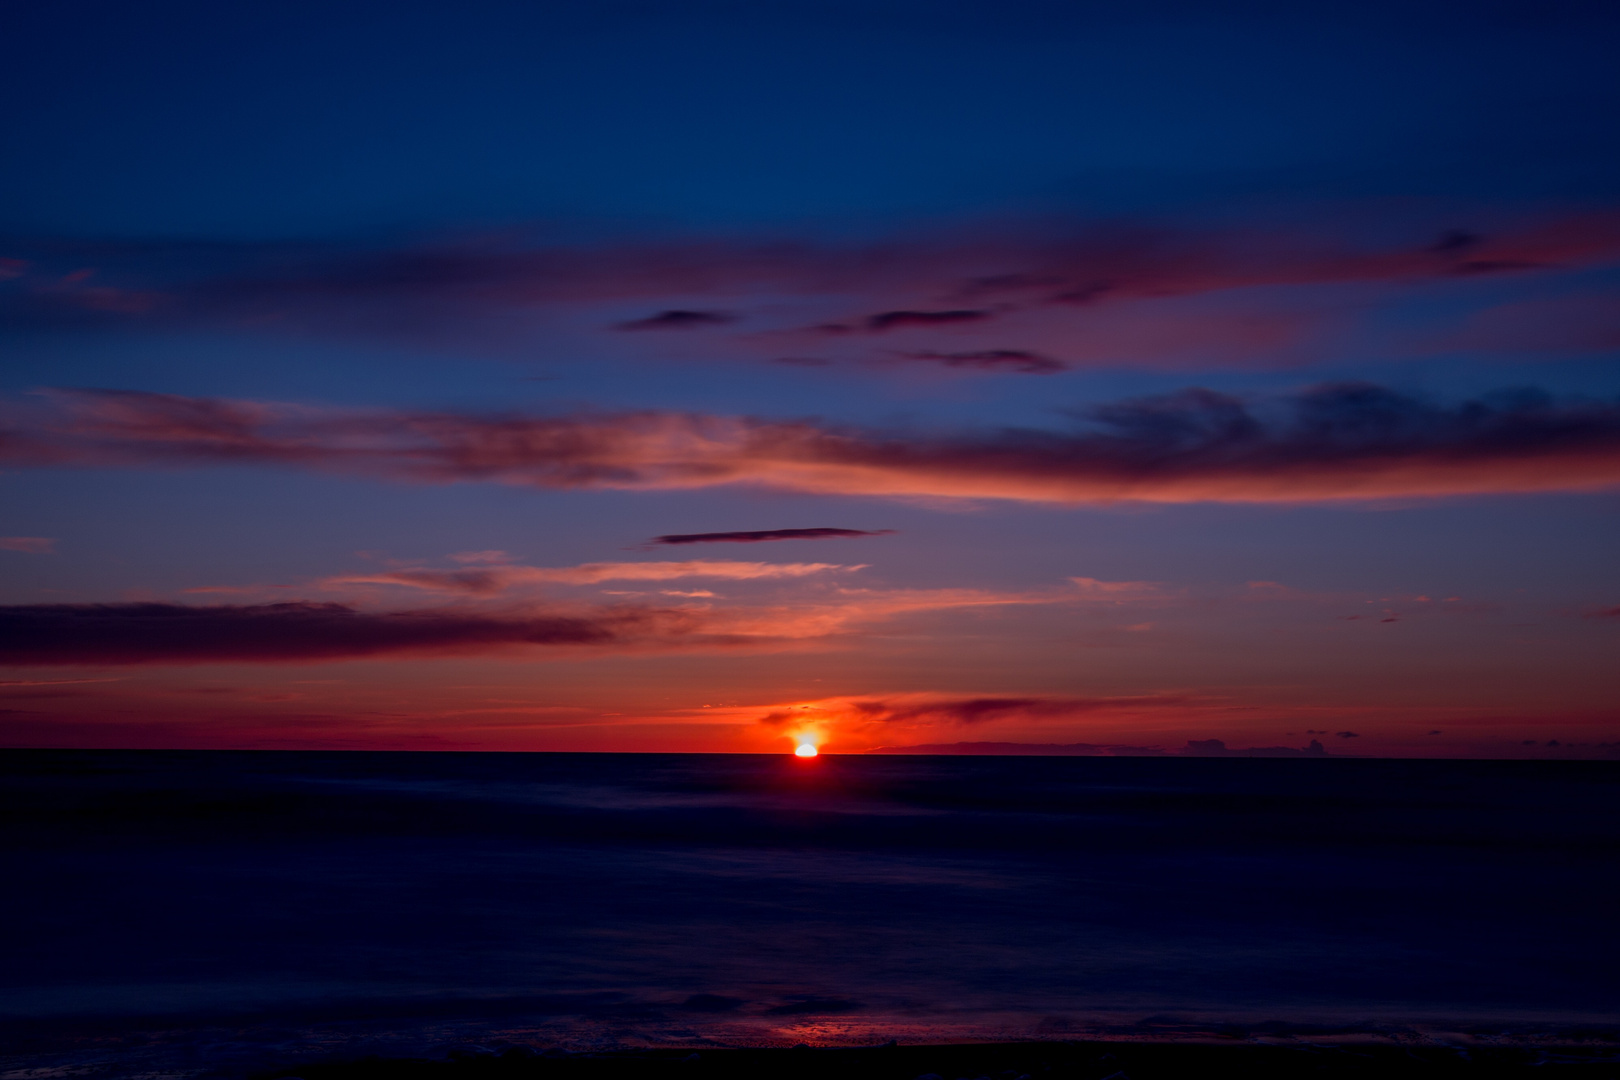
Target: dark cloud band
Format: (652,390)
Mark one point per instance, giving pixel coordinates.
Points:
(154,633)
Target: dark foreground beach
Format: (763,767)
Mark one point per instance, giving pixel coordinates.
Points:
(1584,1055)
(1006,1061)
(193,914)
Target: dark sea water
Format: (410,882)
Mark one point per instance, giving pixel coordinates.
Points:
(191,904)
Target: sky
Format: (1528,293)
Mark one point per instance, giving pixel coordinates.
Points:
(1132,379)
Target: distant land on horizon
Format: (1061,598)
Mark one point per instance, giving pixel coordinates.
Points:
(1194,748)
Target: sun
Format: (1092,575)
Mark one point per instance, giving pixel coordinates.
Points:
(806,749)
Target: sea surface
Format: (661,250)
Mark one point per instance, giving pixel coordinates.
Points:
(187,909)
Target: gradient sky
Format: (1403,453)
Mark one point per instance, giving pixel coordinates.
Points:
(1187,372)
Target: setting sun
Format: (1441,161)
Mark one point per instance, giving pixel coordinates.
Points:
(806,750)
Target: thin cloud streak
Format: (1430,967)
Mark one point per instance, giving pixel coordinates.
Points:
(761,535)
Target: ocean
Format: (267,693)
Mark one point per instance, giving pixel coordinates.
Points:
(173,911)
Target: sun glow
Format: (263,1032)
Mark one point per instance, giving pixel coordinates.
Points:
(806,749)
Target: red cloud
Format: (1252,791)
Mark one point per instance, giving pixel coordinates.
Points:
(1350,441)
(914,709)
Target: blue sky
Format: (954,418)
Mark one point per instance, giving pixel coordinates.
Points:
(309,120)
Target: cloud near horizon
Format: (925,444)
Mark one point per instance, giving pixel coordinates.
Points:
(1332,442)
(847,717)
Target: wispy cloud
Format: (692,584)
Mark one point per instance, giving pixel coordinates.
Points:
(477,291)
(493,579)
(28,545)
(1117,591)
(1077,263)
(498,557)
(1331,442)
(848,610)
